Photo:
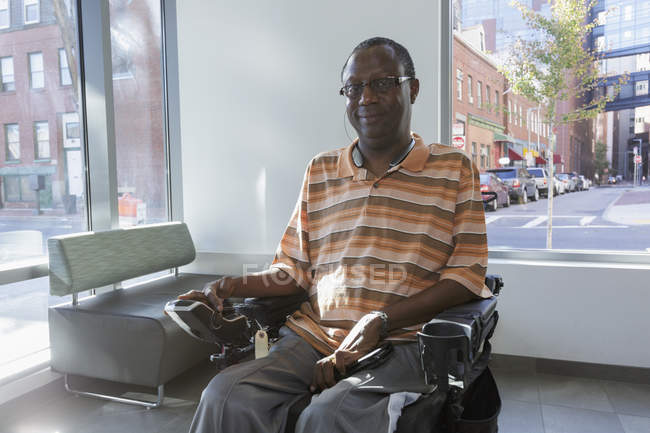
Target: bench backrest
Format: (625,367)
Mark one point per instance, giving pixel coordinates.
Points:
(83,261)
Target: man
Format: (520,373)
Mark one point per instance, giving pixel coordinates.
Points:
(386,233)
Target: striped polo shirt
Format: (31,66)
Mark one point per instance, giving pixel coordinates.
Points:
(358,243)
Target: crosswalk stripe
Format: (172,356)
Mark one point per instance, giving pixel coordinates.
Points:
(587,220)
(491,219)
(537,221)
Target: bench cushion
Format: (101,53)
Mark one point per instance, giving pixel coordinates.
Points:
(124,335)
(84,261)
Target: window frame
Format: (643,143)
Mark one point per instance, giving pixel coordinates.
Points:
(13,75)
(28,3)
(8,11)
(63,57)
(479,94)
(32,72)
(7,142)
(37,142)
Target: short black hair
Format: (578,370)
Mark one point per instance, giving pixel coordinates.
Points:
(402,53)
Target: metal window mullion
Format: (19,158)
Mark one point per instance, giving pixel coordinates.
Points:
(98,114)
(443,60)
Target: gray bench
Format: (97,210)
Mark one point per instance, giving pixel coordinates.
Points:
(122,335)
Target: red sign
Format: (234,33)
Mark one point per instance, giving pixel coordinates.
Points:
(458,142)
(637,159)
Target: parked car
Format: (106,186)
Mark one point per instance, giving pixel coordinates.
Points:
(611,180)
(541,178)
(586,183)
(490,182)
(521,184)
(579,182)
(560,187)
(570,184)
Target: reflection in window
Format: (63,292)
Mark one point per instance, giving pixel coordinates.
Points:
(7,83)
(12,139)
(5,20)
(32,11)
(36,71)
(42,136)
(641,88)
(64,69)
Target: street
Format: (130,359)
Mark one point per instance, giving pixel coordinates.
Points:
(602,218)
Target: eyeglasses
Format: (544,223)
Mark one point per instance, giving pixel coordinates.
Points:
(378,85)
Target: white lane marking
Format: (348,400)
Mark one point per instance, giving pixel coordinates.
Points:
(492,218)
(587,220)
(537,221)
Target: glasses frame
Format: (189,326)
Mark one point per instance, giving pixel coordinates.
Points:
(397,80)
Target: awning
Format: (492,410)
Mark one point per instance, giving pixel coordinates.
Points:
(557,159)
(503,137)
(514,156)
(540,161)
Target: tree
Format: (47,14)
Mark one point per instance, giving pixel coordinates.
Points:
(600,160)
(556,65)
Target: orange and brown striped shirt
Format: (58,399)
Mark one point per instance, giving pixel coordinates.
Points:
(358,243)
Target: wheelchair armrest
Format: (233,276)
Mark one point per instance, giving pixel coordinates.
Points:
(270,312)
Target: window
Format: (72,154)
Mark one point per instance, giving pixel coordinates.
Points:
(488,163)
(36,71)
(12,140)
(641,88)
(487,98)
(470,91)
(474,153)
(64,70)
(42,140)
(509,112)
(18,189)
(600,43)
(602,18)
(628,13)
(479,99)
(627,34)
(7,83)
(5,19)
(32,11)
(483,155)
(521,117)
(516,114)
(459,84)
(497,102)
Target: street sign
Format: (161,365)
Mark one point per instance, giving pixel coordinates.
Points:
(637,159)
(458,129)
(458,142)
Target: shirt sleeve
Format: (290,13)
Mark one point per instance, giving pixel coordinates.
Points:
(468,262)
(292,254)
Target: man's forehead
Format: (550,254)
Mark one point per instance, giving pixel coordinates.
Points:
(373,60)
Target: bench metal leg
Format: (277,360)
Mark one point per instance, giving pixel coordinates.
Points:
(147,404)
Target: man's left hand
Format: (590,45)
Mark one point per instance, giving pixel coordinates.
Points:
(363,337)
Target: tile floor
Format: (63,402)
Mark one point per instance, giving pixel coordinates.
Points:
(532,403)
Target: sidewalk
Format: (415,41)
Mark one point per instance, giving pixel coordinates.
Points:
(631,208)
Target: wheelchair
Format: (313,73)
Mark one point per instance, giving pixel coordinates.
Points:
(454,353)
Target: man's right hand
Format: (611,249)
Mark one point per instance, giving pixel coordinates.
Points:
(214,292)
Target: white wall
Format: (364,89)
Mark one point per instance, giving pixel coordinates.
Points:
(259,96)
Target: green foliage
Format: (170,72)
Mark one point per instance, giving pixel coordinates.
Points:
(559,64)
(600,159)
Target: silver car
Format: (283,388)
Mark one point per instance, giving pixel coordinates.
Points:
(541,178)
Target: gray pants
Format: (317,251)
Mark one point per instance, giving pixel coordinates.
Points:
(255,396)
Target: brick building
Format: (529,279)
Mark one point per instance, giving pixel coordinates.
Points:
(494,122)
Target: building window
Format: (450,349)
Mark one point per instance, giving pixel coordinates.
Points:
(521,117)
(470,91)
(12,138)
(487,98)
(18,188)
(482,155)
(64,68)
(627,34)
(42,140)
(497,103)
(600,43)
(509,112)
(459,84)
(32,11)
(641,88)
(479,98)
(7,83)
(628,13)
(487,157)
(36,71)
(5,20)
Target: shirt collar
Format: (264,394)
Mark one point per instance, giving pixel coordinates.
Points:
(414,161)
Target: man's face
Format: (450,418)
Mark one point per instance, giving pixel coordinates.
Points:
(379,115)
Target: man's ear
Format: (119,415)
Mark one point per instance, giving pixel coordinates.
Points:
(415,89)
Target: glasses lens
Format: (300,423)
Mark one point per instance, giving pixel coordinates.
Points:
(353,90)
(383,84)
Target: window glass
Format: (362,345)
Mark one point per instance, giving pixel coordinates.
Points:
(459,84)
(32,11)
(479,98)
(64,68)
(470,92)
(37,72)
(42,180)
(5,20)
(137,93)
(42,135)
(610,208)
(7,74)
